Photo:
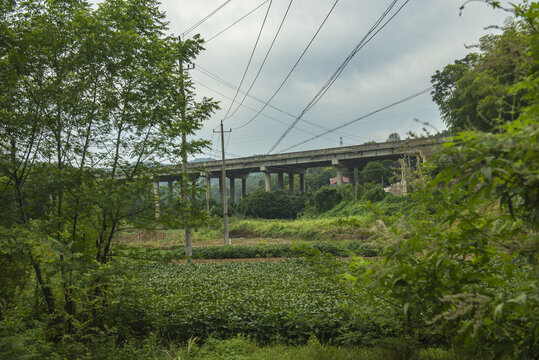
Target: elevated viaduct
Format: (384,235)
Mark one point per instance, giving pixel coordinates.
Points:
(296,163)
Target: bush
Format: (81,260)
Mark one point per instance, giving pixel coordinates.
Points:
(341,249)
(277,204)
(217,210)
(326,198)
(375,194)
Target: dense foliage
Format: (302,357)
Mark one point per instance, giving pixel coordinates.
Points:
(90,104)
(474,92)
(471,261)
(326,198)
(339,249)
(277,204)
(379,172)
(288,302)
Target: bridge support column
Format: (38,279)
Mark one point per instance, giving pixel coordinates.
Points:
(232,190)
(404,173)
(221,192)
(280,179)
(156,194)
(170,188)
(339,176)
(291,182)
(244,186)
(423,156)
(208,191)
(267,175)
(302,182)
(352,179)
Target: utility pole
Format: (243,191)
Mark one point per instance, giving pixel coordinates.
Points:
(223,187)
(185,176)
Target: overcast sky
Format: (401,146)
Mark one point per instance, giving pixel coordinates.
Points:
(399,61)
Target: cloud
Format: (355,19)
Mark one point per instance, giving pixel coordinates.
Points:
(425,36)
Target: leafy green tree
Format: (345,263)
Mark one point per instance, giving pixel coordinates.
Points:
(277,204)
(315,178)
(393,137)
(378,172)
(473,92)
(90,106)
(374,194)
(326,198)
(472,266)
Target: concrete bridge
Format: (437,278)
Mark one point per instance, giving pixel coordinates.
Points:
(296,163)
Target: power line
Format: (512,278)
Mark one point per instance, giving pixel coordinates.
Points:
(410,97)
(293,68)
(341,67)
(269,117)
(223,81)
(228,140)
(205,18)
(217,153)
(352,137)
(250,59)
(358,47)
(235,22)
(265,58)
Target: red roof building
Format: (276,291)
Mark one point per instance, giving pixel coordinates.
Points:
(333,180)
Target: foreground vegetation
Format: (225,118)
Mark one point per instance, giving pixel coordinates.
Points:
(456,266)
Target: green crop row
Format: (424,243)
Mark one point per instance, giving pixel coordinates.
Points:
(339,249)
(287,302)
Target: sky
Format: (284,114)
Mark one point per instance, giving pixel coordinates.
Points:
(424,36)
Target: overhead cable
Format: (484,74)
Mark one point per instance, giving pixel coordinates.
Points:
(205,18)
(269,117)
(215,77)
(250,58)
(410,97)
(373,30)
(265,58)
(235,22)
(293,68)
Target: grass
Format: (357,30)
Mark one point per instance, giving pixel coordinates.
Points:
(258,231)
(240,348)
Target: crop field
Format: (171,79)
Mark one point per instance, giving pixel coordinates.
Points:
(286,302)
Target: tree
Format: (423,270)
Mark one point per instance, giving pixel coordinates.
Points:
(278,204)
(315,178)
(90,107)
(473,92)
(378,172)
(394,137)
(326,198)
(469,261)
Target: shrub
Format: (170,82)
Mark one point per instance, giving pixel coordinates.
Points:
(340,249)
(375,194)
(277,204)
(326,198)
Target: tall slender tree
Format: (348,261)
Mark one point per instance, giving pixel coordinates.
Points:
(89,109)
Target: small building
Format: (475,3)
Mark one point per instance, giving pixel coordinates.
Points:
(333,181)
